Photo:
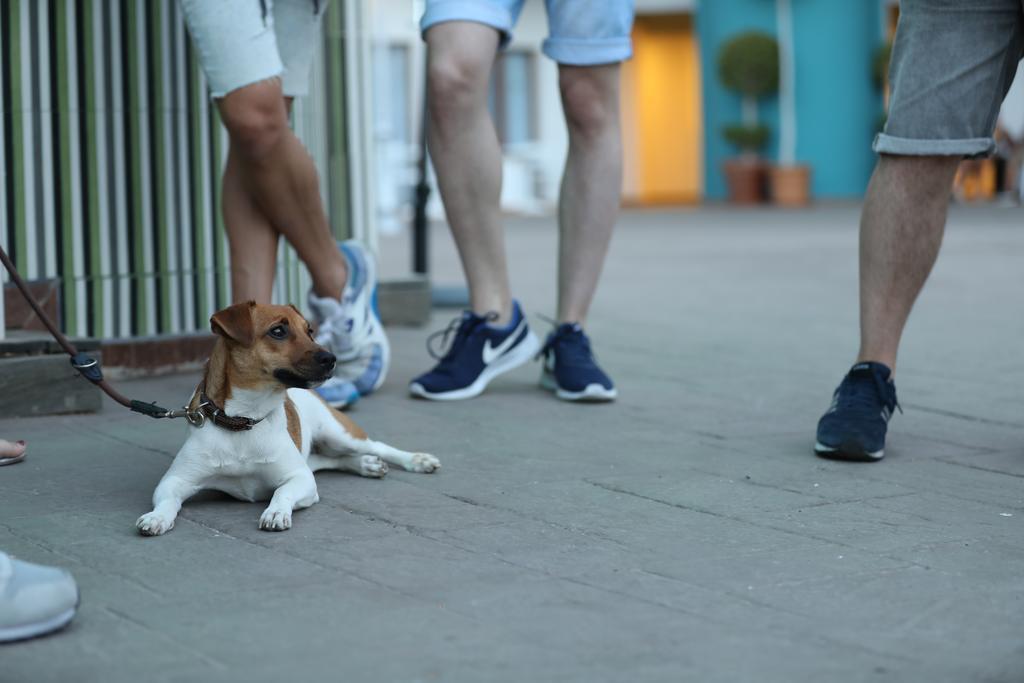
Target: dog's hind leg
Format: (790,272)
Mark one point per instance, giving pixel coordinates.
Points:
(336,436)
(411,462)
(335,441)
(363,465)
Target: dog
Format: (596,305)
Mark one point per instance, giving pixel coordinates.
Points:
(257,431)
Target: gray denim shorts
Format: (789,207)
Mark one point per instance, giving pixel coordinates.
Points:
(952,63)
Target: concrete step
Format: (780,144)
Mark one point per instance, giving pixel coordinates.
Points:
(45,384)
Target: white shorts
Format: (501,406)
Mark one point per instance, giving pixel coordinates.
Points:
(241,42)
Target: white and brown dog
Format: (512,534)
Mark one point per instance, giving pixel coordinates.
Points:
(265,433)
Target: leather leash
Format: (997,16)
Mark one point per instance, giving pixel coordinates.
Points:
(88,366)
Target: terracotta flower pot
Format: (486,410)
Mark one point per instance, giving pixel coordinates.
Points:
(745,178)
(791,185)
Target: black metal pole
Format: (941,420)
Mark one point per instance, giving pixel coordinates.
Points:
(422,195)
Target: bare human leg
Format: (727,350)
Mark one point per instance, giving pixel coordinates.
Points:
(467,156)
(901,231)
(271,188)
(591,186)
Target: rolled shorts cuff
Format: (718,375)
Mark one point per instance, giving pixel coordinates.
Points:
(247,80)
(294,85)
(588,51)
(495,16)
(965,147)
(241,74)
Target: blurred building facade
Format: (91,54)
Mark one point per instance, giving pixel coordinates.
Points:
(674,105)
(111,151)
(837,105)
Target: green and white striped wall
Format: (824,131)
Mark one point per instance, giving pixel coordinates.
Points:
(110,162)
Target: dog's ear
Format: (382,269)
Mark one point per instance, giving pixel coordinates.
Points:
(235,323)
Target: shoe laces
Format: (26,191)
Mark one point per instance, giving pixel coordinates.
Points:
(862,394)
(463,327)
(569,342)
(340,332)
(324,335)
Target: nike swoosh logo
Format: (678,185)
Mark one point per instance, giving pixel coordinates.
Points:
(493,352)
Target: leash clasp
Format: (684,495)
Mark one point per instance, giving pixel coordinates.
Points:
(88,366)
(196,419)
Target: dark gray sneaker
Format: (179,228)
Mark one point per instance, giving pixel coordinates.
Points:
(855,424)
(570,369)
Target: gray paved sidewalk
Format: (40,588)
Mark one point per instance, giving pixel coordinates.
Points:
(684,533)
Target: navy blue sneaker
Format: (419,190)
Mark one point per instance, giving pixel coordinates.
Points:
(570,369)
(478,353)
(854,426)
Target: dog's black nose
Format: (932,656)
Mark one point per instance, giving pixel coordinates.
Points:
(324,359)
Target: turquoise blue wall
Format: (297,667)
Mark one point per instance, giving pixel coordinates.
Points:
(836,103)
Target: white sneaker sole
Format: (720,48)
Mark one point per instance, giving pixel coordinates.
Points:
(339,404)
(593,393)
(837,454)
(27,631)
(378,337)
(520,354)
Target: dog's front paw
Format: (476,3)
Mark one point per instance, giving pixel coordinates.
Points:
(274,519)
(424,462)
(154,524)
(372,466)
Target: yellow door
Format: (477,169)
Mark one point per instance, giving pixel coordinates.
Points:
(661,104)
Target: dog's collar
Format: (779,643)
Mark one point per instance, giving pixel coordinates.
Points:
(213,413)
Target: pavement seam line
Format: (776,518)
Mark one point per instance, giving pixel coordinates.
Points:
(740,520)
(962,416)
(79,560)
(141,624)
(575,530)
(321,565)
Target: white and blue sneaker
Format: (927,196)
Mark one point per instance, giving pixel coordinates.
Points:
(352,331)
(570,370)
(478,353)
(338,393)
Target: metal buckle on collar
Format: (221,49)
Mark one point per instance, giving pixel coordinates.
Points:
(197,418)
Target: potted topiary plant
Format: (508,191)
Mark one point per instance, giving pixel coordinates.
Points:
(748,64)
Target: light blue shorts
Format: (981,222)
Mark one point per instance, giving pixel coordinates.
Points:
(580,32)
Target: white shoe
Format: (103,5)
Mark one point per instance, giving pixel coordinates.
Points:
(34,599)
(350,328)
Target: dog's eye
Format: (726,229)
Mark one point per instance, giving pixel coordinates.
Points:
(278,332)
